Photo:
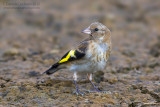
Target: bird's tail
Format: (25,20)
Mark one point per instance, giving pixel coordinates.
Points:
(52,69)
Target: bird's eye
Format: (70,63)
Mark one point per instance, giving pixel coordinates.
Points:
(96,29)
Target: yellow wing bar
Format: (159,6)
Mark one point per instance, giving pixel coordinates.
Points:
(70,54)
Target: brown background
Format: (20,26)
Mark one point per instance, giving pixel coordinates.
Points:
(33,39)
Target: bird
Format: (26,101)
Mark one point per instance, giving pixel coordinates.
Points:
(90,56)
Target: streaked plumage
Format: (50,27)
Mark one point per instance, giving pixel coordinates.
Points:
(90,56)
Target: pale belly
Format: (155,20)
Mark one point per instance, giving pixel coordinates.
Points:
(88,67)
(95,60)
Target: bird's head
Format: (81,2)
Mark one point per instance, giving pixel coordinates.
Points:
(97,30)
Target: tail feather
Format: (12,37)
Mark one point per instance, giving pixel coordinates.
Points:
(52,69)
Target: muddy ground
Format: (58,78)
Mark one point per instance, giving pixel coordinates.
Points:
(33,39)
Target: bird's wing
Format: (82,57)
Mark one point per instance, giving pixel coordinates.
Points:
(70,56)
(76,54)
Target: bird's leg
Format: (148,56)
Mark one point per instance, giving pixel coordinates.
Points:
(97,90)
(75,81)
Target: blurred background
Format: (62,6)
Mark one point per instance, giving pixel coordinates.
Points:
(35,34)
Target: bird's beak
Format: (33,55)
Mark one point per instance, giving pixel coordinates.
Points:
(87,31)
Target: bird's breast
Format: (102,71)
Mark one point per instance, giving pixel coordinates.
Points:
(98,54)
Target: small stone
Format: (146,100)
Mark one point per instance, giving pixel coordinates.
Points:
(34,74)
(11,52)
(54,51)
(86,101)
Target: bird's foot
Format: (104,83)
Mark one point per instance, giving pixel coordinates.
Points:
(98,91)
(78,93)
(106,92)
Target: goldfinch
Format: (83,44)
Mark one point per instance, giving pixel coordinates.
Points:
(89,57)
